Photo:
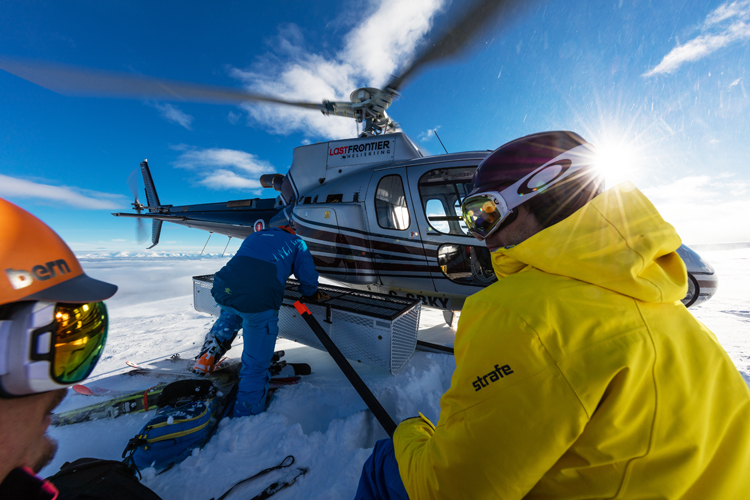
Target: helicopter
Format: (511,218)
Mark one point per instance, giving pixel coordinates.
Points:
(376,212)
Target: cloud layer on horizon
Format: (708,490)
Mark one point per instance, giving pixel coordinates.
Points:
(294,73)
(727,24)
(15,188)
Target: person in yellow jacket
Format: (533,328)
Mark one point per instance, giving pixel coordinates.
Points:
(579,374)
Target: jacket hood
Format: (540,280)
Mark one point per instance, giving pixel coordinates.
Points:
(617,241)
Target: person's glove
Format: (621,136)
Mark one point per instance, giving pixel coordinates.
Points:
(316,297)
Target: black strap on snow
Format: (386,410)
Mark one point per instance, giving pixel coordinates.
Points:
(370,400)
(287,462)
(280,485)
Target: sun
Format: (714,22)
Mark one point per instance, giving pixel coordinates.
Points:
(618,160)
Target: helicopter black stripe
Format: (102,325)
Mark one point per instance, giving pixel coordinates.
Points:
(395,247)
(359,253)
(400,251)
(332,226)
(328,261)
(339,230)
(332,237)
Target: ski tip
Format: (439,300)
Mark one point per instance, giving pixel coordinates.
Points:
(82,389)
(131,364)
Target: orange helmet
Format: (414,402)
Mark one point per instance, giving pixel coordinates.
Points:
(36,264)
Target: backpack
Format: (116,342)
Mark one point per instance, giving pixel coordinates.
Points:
(93,479)
(188,413)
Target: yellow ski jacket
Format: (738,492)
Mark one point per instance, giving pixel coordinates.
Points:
(580,375)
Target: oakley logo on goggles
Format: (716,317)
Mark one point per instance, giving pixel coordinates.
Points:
(485,212)
(50,346)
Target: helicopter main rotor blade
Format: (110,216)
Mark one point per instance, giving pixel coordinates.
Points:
(77,81)
(455,38)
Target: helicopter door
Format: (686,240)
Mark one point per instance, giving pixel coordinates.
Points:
(460,264)
(397,250)
(335,235)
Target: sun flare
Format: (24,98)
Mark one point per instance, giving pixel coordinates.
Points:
(618,160)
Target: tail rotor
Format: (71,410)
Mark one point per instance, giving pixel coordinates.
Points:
(140,230)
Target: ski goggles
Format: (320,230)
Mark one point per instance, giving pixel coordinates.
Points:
(485,212)
(50,345)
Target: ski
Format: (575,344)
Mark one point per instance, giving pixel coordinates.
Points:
(278,368)
(284,482)
(227,369)
(277,382)
(134,402)
(92,390)
(140,401)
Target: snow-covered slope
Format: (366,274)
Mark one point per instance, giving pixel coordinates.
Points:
(321,421)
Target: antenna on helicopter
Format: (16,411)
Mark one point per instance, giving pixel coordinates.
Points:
(439,139)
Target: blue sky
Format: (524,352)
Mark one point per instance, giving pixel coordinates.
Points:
(659,87)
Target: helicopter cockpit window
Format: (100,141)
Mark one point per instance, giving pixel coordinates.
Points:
(390,204)
(467,265)
(442,192)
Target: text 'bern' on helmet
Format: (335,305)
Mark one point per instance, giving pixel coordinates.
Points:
(517,159)
(36,264)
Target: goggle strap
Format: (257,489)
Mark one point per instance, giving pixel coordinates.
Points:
(579,157)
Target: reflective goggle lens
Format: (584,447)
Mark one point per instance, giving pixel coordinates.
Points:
(80,335)
(481,215)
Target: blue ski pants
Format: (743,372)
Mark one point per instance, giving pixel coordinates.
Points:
(259,332)
(380,479)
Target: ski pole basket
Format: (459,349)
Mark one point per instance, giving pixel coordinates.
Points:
(372,328)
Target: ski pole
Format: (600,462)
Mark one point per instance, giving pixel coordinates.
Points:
(370,400)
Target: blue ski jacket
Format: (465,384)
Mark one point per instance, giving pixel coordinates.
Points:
(254,279)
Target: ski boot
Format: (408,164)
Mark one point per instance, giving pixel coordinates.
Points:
(211,353)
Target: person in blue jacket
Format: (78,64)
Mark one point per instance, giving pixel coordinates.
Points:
(250,290)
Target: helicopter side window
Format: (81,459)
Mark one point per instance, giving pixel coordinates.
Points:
(442,192)
(390,204)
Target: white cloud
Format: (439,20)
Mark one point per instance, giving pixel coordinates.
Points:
(428,134)
(233,117)
(224,168)
(226,179)
(724,26)
(382,42)
(174,114)
(14,188)
(705,209)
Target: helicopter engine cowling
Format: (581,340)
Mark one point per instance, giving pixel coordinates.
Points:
(272,181)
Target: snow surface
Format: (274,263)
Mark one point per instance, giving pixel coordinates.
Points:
(321,421)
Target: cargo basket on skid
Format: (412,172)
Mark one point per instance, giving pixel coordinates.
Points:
(372,328)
